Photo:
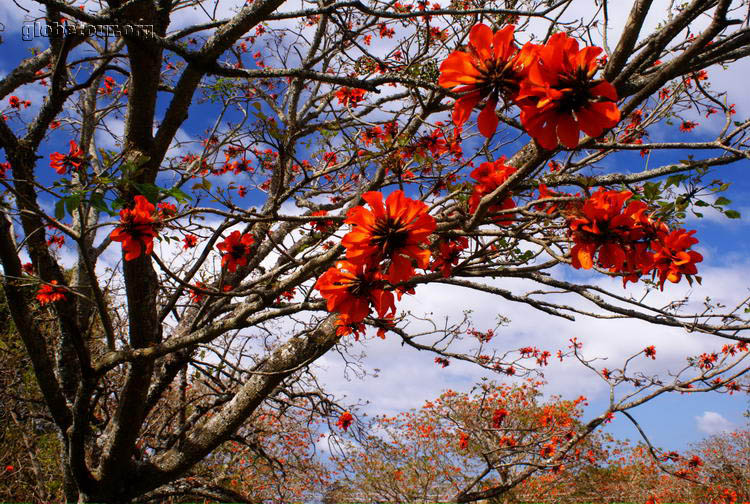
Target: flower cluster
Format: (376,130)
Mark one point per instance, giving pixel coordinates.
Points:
(553,84)
(350,96)
(625,239)
(385,243)
(137,229)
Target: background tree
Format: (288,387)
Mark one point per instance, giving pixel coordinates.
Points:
(327,183)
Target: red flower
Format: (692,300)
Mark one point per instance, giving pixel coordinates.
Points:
(345,420)
(547,450)
(14,102)
(350,289)
(395,231)
(650,351)
(672,259)
(449,255)
(560,97)
(606,228)
(491,69)
(686,126)
(64,162)
(236,248)
(10,468)
(498,416)
(348,96)
(4,167)
(136,230)
(443,362)
(695,461)
(190,241)
(50,293)
(490,176)
(463,441)
(321,225)
(196,296)
(167,210)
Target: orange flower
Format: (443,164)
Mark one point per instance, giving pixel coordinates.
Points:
(50,293)
(560,97)
(492,68)
(672,259)
(395,231)
(64,162)
(236,248)
(350,289)
(490,176)
(605,227)
(136,230)
(345,420)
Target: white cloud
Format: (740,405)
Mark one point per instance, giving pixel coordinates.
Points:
(711,422)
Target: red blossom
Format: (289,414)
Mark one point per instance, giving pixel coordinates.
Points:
(344,421)
(687,126)
(236,249)
(560,96)
(61,163)
(136,230)
(321,225)
(498,416)
(491,69)
(350,289)
(395,231)
(448,255)
(463,441)
(672,259)
(442,362)
(50,293)
(189,241)
(350,96)
(490,176)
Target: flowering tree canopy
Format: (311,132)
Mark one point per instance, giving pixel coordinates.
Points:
(196,210)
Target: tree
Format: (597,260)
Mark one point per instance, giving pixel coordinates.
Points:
(490,436)
(338,170)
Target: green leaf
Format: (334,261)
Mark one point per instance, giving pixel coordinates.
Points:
(732,214)
(722,201)
(97,201)
(60,209)
(203,184)
(651,190)
(150,191)
(179,195)
(701,203)
(72,203)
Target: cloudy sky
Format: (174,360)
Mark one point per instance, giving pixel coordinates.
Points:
(406,377)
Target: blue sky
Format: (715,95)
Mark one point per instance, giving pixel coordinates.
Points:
(408,377)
